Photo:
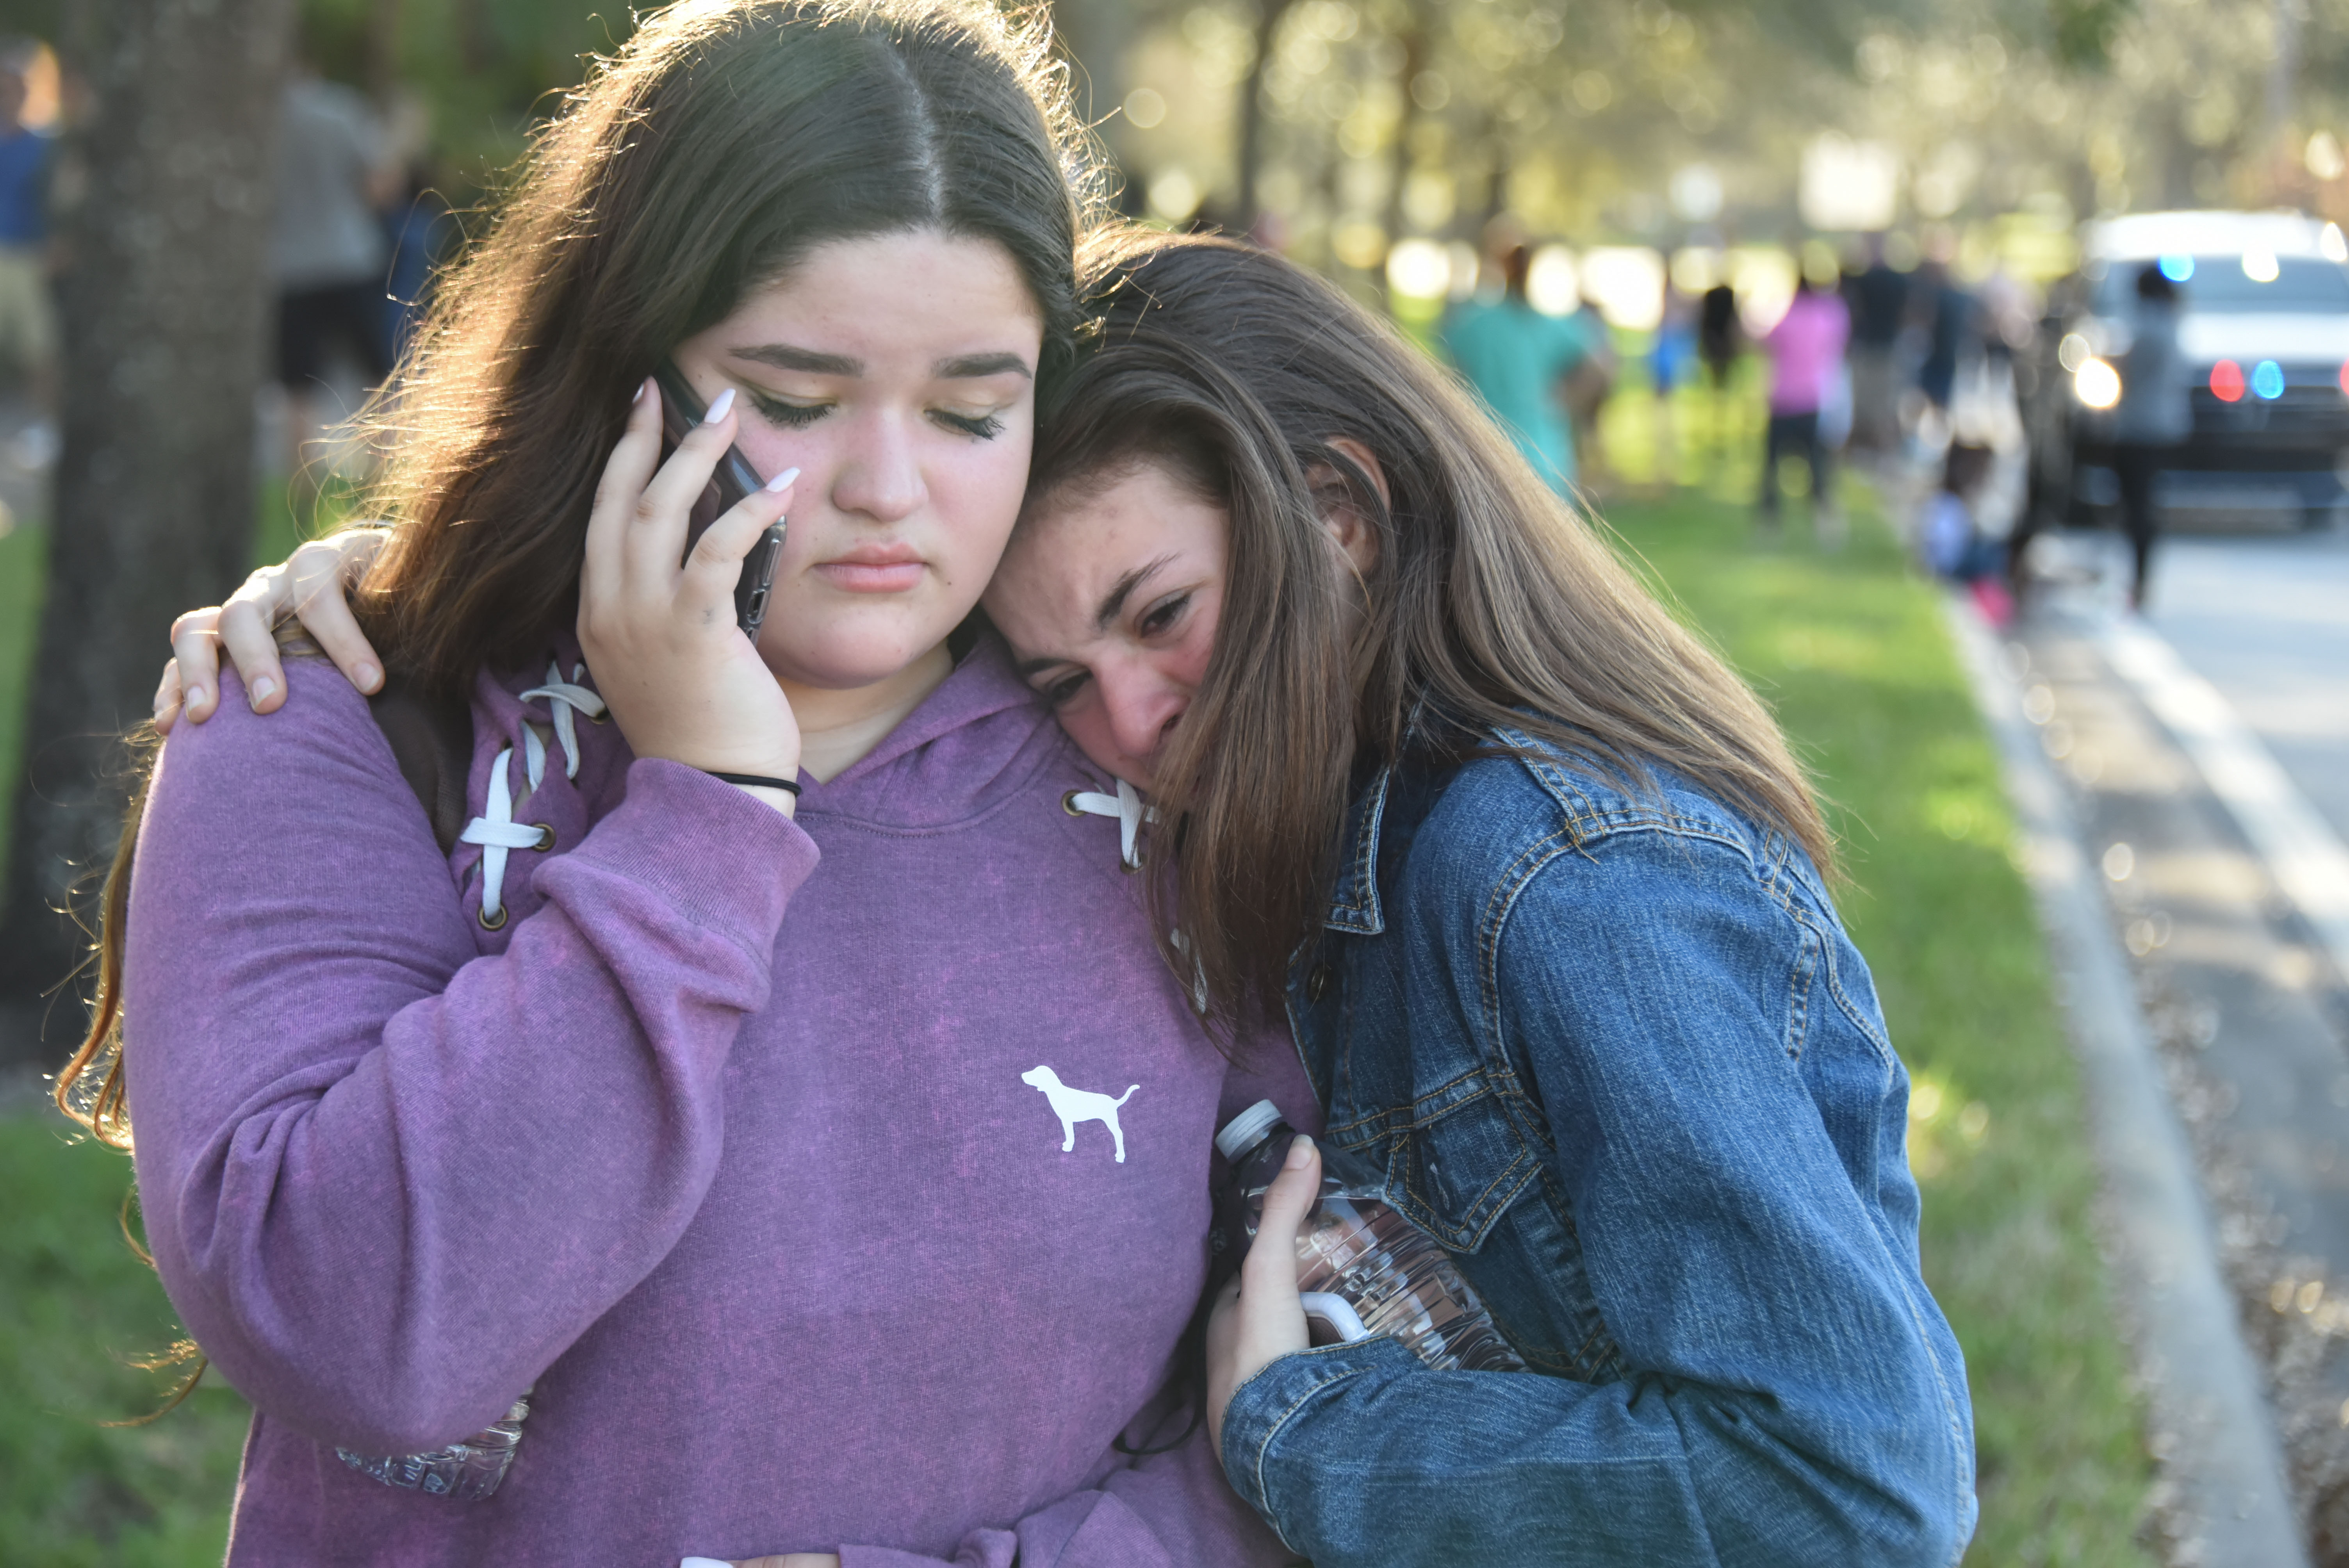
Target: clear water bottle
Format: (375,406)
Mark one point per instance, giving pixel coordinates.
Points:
(1363,1268)
(463,1472)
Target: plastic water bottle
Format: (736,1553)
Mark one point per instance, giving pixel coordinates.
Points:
(1363,1268)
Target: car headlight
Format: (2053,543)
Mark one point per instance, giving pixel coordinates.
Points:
(2096,384)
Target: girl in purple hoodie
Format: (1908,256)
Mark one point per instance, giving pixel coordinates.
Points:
(766,1125)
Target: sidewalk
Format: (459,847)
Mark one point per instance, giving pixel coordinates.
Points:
(2216,894)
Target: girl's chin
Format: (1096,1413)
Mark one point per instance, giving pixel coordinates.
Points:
(850,661)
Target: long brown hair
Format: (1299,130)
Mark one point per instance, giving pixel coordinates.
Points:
(1492,603)
(724,140)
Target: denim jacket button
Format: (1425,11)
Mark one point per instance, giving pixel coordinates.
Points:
(1317,984)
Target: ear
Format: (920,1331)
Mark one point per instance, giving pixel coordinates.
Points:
(1351,531)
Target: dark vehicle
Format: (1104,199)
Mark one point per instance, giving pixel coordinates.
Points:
(2265,333)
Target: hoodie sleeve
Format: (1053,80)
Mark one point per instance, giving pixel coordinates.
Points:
(388,1180)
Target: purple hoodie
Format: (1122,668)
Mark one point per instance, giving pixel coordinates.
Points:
(724,1147)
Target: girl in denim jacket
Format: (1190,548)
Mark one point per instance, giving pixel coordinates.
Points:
(1540,887)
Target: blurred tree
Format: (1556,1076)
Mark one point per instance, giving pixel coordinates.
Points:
(163,303)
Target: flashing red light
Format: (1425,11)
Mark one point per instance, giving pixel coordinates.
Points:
(2227,381)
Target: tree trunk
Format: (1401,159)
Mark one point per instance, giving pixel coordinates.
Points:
(1251,106)
(165,304)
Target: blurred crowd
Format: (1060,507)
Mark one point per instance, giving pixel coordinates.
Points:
(1903,370)
(356,232)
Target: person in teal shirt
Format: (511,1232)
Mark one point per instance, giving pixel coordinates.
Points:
(1515,357)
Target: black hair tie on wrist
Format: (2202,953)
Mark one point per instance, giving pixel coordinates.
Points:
(756,781)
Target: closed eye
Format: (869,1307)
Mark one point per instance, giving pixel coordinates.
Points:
(1063,690)
(985,427)
(790,416)
(1161,617)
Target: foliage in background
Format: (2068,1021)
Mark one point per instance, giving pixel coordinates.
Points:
(1393,118)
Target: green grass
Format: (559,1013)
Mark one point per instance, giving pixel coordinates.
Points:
(1850,650)
(78,1306)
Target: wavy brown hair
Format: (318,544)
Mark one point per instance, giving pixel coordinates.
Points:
(724,140)
(1492,603)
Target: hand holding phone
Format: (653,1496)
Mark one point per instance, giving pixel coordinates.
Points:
(682,410)
(682,682)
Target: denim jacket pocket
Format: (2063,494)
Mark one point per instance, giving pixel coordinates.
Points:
(1456,1171)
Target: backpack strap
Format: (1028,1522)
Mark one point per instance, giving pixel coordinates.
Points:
(432,740)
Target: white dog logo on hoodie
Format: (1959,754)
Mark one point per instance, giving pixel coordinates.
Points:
(1075,1105)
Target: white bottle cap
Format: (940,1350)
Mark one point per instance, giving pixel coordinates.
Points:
(1241,1133)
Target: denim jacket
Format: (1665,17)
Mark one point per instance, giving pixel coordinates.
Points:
(1613,1049)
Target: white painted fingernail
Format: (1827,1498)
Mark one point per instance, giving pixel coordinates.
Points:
(783,481)
(195,696)
(704,1563)
(367,677)
(640,394)
(719,407)
(263,689)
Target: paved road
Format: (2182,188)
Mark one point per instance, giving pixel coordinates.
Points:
(2252,1017)
(2266,619)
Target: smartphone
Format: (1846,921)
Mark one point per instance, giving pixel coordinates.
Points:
(682,410)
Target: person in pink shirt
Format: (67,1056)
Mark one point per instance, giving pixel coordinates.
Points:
(1805,351)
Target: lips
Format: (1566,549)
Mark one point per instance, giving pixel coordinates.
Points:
(874,569)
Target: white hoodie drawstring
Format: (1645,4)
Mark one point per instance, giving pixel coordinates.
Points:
(1125,805)
(561,696)
(498,833)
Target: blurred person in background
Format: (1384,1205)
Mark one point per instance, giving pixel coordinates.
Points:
(1805,351)
(1587,386)
(1951,538)
(1670,364)
(1946,312)
(2156,413)
(420,231)
(28,333)
(1518,360)
(1877,297)
(1719,337)
(337,172)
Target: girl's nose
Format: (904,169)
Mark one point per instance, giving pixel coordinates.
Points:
(1142,707)
(880,474)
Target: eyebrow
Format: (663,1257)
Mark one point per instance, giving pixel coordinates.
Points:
(963,367)
(1112,603)
(786,356)
(972,366)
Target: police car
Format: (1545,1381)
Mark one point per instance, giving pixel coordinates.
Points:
(2265,333)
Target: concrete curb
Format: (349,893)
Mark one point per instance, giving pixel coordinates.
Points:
(2213,1427)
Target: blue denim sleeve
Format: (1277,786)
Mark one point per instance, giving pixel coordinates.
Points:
(1783,1399)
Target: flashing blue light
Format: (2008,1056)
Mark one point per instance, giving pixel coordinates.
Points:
(2177,269)
(2267,379)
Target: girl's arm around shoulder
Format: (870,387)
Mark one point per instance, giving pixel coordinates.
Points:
(386,1180)
(1784,1389)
